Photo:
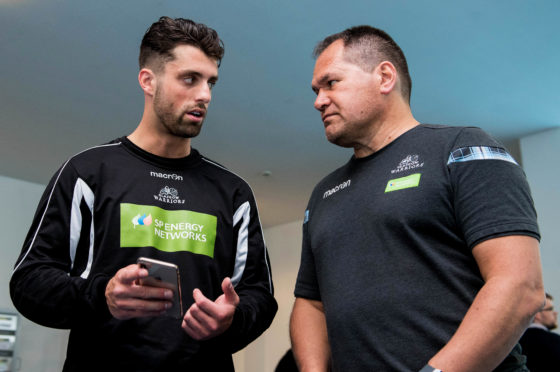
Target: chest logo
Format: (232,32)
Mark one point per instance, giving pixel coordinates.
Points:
(410,162)
(403,183)
(142,220)
(337,188)
(168,176)
(167,231)
(169,195)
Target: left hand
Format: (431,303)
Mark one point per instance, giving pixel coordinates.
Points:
(206,319)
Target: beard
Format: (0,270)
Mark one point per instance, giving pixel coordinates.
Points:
(176,124)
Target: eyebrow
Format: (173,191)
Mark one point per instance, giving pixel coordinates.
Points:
(321,81)
(213,78)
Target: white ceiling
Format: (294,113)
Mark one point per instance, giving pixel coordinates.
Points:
(68,79)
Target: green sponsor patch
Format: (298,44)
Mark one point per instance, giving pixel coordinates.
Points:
(403,183)
(169,231)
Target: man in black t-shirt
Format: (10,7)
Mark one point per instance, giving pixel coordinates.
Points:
(420,253)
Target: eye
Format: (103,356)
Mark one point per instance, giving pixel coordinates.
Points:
(330,83)
(211,84)
(188,80)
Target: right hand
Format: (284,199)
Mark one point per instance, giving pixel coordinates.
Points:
(126,298)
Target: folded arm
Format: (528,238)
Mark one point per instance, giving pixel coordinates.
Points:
(503,308)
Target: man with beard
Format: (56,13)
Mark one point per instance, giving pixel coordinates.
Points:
(541,346)
(151,195)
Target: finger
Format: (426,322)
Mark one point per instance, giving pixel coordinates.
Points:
(230,295)
(125,309)
(201,319)
(150,293)
(118,289)
(131,273)
(142,305)
(191,331)
(204,311)
(211,313)
(129,314)
(203,303)
(193,327)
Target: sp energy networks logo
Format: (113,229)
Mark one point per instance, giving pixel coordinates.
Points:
(168,231)
(142,220)
(407,182)
(410,162)
(169,195)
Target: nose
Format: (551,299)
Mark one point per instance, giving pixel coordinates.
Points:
(204,93)
(322,101)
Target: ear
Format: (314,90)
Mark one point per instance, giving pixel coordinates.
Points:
(147,80)
(387,76)
(537,318)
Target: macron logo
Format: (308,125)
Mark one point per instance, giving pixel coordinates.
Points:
(342,186)
(173,176)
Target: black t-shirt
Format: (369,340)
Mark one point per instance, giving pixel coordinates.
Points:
(542,349)
(387,242)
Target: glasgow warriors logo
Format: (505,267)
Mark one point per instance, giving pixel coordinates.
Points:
(169,195)
(410,162)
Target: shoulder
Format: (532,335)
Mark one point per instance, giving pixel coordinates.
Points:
(458,134)
(222,173)
(334,181)
(465,135)
(469,143)
(89,159)
(96,152)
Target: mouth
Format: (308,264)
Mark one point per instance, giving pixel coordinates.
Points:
(197,114)
(326,116)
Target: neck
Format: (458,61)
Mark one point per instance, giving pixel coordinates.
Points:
(390,126)
(155,140)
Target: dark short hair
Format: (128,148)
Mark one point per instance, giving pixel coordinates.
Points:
(167,33)
(368,46)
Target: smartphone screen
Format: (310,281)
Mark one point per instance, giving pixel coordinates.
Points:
(165,275)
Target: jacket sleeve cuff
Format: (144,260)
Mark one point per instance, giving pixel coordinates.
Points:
(98,300)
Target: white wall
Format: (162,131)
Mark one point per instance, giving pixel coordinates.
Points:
(540,162)
(39,349)
(284,245)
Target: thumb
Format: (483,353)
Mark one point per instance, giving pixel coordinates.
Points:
(231,296)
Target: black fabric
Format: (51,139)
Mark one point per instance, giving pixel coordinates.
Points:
(387,244)
(287,363)
(542,349)
(54,285)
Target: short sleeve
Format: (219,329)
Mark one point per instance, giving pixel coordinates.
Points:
(491,193)
(306,284)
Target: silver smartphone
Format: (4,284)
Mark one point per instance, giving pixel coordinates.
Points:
(165,275)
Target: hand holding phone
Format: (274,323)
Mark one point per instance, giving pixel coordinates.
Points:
(164,275)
